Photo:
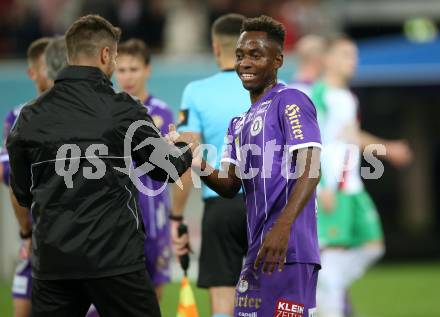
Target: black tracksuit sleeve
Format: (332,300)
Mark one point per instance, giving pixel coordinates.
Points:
(162,161)
(20,167)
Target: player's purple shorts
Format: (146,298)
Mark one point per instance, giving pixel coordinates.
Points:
(290,293)
(158,255)
(22,283)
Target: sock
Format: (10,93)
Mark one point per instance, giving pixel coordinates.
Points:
(331,285)
(360,259)
(220,315)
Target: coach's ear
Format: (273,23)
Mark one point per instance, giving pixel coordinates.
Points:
(105,55)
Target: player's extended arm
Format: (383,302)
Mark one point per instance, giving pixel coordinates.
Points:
(224,182)
(398,151)
(274,247)
(169,160)
(366,138)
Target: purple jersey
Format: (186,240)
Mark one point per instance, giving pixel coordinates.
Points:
(22,283)
(155,209)
(261,144)
(7,126)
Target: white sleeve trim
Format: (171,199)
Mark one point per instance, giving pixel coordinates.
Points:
(4,158)
(304,145)
(228,160)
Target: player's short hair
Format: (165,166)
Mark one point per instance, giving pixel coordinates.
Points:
(310,46)
(37,48)
(56,56)
(275,30)
(90,33)
(228,25)
(135,47)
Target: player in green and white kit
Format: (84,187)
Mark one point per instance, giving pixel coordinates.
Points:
(349,218)
(349,228)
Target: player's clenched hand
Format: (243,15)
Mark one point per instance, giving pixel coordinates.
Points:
(186,137)
(180,244)
(172,135)
(272,252)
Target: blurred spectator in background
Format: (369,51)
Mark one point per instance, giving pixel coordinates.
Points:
(50,14)
(185,31)
(104,8)
(179,26)
(312,16)
(142,19)
(22,27)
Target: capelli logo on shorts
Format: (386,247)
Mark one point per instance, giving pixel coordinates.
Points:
(288,309)
(253,314)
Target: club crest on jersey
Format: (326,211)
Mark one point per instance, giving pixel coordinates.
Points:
(257,126)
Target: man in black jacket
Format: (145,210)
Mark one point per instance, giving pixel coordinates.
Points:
(71,153)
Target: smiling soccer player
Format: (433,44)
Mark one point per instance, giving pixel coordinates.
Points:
(277,136)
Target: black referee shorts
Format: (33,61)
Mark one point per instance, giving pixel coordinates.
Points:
(128,295)
(224,242)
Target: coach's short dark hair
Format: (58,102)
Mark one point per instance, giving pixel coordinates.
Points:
(228,24)
(37,48)
(274,29)
(90,33)
(135,47)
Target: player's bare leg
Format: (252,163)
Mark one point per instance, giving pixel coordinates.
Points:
(22,307)
(222,300)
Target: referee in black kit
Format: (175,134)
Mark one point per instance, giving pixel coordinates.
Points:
(70,154)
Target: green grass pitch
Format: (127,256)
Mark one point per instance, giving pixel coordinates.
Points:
(388,290)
